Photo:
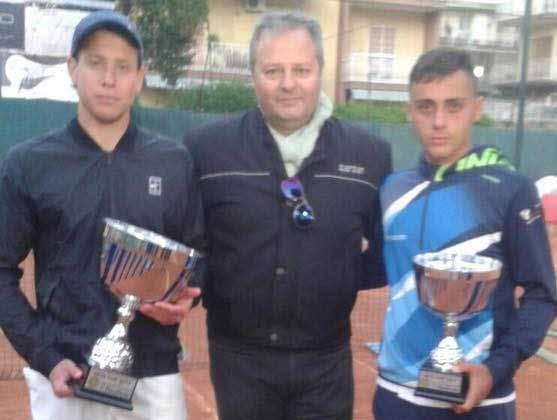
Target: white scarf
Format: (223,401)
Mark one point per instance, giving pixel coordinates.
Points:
(295,147)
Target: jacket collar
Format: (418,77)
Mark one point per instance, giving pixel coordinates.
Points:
(259,126)
(80,136)
(477,158)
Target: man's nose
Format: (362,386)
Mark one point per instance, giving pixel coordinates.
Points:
(288,81)
(439,118)
(109,76)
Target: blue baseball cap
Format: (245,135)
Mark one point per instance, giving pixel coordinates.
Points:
(111,21)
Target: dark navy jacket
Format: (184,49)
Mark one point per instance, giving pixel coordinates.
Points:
(55,192)
(270,283)
(478,205)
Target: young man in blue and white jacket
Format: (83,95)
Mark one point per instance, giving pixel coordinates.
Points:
(461,199)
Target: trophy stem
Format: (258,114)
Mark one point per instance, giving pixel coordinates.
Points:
(113,351)
(450,326)
(126,314)
(447,353)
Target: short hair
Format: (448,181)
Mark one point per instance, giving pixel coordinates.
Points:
(275,23)
(442,62)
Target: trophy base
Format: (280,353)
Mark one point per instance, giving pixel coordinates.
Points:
(442,386)
(106,386)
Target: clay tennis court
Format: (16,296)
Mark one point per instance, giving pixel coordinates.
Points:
(536,380)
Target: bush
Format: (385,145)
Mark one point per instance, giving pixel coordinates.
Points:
(380,113)
(391,113)
(216,98)
(485,121)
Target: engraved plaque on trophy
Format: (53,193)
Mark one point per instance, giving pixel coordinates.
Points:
(137,266)
(454,287)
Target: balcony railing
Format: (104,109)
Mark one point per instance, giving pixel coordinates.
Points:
(535,112)
(538,69)
(222,58)
(405,5)
(550,6)
(376,68)
(470,43)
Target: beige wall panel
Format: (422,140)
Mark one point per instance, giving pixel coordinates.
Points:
(410,30)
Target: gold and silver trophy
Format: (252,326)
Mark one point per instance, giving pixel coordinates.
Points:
(454,287)
(137,266)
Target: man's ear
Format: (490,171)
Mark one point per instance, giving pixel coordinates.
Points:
(478,108)
(140,80)
(72,66)
(407,111)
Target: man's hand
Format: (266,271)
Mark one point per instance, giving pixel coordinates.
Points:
(61,375)
(169,313)
(479,388)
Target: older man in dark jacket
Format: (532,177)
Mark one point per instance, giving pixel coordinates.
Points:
(289,193)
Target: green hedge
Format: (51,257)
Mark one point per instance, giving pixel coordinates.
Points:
(382,113)
(388,113)
(231,97)
(228,97)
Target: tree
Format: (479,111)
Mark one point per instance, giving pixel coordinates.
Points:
(168,29)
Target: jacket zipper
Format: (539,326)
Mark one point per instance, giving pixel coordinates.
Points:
(110,185)
(422,223)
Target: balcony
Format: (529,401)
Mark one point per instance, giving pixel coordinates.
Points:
(540,70)
(536,113)
(376,68)
(222,58)
(544,15)
(423,6)
(469,43)
(550,6)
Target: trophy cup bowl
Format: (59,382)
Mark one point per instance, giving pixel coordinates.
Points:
(454,287)
(137,266)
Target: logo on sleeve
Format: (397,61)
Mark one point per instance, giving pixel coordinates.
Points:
(155,185)
(531,215)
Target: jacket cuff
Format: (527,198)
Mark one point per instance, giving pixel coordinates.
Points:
(502,367)
(45,361)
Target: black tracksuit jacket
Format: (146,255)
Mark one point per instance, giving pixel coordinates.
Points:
(55,192)
(270,283)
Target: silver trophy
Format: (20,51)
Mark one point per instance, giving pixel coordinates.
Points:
(454,287)
(137,266)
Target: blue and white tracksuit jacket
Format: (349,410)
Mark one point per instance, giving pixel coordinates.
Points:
(478,205)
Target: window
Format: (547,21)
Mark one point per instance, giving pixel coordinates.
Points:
(465,22)
(382,40)
(540,54)
(381,49)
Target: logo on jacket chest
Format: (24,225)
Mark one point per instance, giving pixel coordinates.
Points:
(351,169)
(155,185)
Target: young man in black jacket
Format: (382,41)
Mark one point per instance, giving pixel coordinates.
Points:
(289,193)
(55,192)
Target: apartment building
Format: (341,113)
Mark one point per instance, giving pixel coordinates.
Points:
(381,40)
(370,45)
(541,85)
(222,49)
(384,39)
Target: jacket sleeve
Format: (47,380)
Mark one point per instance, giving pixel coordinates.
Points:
(374,267)
(529,266)
(195,220)
(195,226)
(24,327)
